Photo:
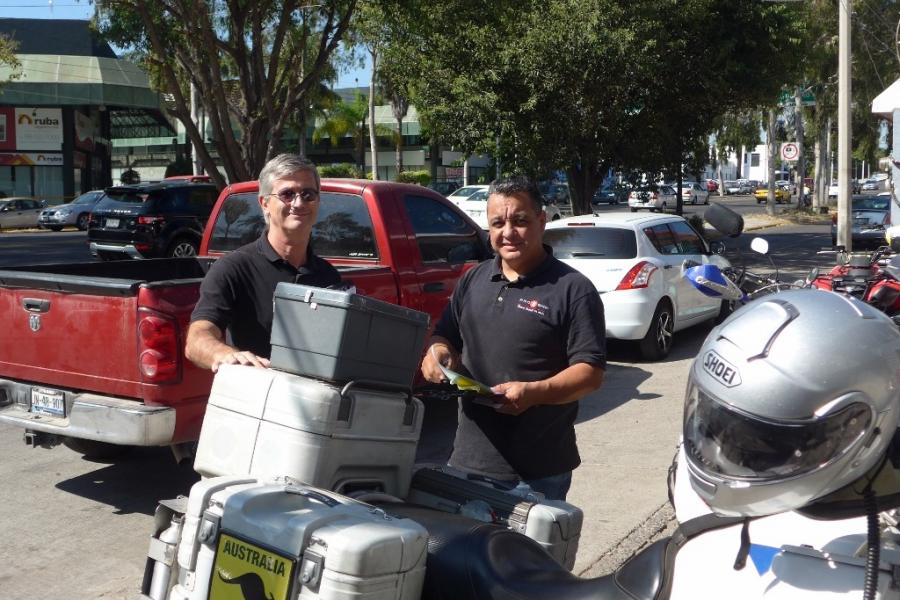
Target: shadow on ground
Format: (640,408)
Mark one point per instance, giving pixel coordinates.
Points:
(135,482)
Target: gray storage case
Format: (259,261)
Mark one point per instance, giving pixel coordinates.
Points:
(554,524)
(342,336)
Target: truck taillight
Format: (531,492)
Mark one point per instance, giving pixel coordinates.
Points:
(638,276)
(149,219)
(158,347)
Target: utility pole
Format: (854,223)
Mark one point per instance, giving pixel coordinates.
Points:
(195,117)
(801,157)
(770,163)
(843,215)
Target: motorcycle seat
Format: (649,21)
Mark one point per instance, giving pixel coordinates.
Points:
(469,559)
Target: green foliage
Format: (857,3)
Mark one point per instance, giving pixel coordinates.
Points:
(585,85)
(253,64)
(420,177)
(349,119)
(8,47)
(341,170)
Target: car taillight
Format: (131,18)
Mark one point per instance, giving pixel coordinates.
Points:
(149,220)
(638,276)
(158,347)
(887,219)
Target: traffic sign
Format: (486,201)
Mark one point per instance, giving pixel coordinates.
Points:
(789,151)
(786,98)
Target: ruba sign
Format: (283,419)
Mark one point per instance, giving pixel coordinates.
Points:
(39,129)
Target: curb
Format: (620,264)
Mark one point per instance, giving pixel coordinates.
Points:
(659,524)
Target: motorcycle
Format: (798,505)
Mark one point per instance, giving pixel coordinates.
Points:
(872,277)
(261,534)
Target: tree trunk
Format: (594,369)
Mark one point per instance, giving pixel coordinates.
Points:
(373,140)
(399,148)
(582,183)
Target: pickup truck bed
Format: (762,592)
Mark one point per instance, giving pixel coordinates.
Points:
(95,350)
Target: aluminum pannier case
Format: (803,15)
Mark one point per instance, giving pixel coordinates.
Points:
(554,524)
(266,423)
(341,336)
(284,540)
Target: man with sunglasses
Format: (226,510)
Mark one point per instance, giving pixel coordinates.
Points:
(236,294)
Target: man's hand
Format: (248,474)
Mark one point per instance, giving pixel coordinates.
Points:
(439,353)
(517,396)
(237,357)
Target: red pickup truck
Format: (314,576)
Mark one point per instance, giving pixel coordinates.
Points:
(92,354)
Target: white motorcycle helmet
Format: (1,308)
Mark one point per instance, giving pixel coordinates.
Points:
(792,397)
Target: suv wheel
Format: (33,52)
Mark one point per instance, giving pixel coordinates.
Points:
(182,247)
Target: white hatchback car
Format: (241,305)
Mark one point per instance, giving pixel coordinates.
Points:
(464,192)
(476,207)
(635,263)
(654,198)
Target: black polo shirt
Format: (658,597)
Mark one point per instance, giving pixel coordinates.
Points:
(526,330)
(237,293)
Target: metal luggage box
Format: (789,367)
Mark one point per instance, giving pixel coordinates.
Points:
(342,336)
(266,423)
(554,524)
(280,539)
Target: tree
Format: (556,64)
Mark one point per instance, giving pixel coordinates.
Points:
(588,85)
(8,47)
(349,119)
(254,65)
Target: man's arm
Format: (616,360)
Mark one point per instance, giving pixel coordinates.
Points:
(206,349)
(569,385)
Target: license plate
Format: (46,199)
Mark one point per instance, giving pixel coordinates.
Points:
(49,402)
(240,564)
(112,222)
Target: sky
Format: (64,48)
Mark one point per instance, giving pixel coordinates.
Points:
(72,9)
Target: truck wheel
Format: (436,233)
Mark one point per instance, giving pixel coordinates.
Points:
(182,247)
(82,222)
(94,450)
(658,341)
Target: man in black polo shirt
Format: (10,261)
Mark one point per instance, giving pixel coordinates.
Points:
(533,329)
(236,294)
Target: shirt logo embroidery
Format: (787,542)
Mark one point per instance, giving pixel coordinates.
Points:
(532,306)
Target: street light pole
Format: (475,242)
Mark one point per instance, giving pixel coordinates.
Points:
(843,215)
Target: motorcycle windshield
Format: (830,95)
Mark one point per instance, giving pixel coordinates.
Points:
(729,443)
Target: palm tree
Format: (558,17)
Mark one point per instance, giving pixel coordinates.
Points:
(349,119)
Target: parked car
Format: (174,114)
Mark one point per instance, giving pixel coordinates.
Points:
(151,220)
(76,213)
(610,194)
(740,186)
(20,212)
(476,207)
(556,193)
(833,189)
(464,192)
(870,216)
(870,185)
(782,194)
(693,193)
(653,197)
(635,261)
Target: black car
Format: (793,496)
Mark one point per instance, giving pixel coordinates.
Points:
(151,220)
(610,194)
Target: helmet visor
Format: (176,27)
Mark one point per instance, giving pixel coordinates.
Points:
(726,442)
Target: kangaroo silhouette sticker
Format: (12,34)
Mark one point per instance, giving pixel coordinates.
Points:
(244,571)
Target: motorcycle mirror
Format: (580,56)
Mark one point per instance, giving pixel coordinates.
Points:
(710,281)
(759,245)
(724,220)
(811,276)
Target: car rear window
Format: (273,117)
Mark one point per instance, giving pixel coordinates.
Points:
(871,203)
(591,242)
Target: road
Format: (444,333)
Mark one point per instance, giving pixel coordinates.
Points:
(77,529)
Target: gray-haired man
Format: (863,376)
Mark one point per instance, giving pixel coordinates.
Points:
(236,294)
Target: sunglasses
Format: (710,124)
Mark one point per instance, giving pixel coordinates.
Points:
(306,195)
